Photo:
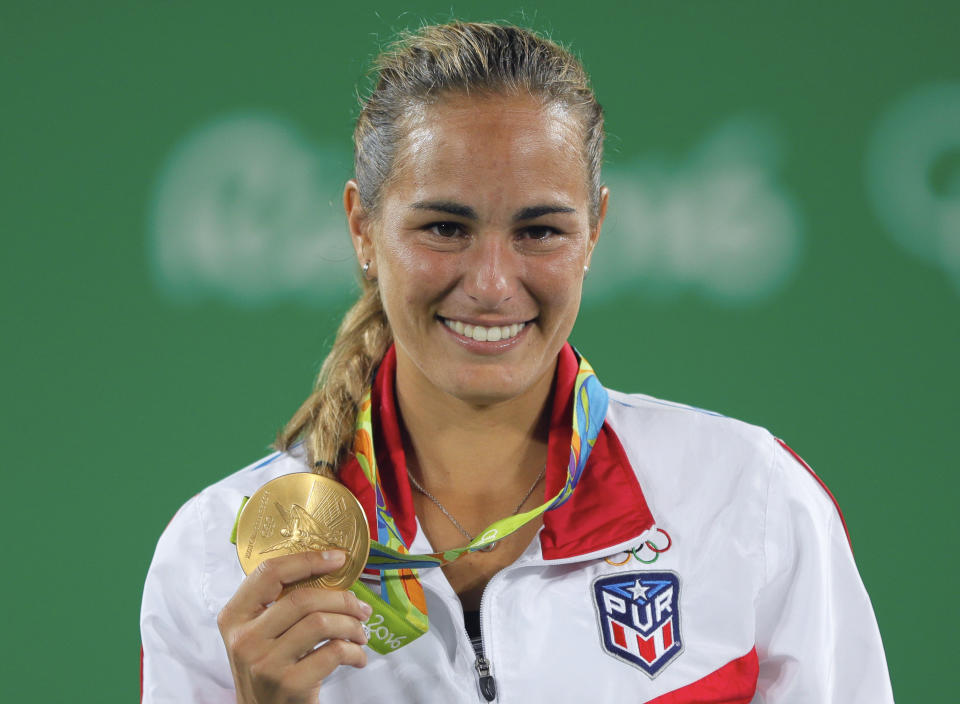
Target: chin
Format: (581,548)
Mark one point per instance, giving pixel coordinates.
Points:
(486,387)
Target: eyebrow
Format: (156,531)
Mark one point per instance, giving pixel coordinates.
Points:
(446,206)
(465,211)
(538,210)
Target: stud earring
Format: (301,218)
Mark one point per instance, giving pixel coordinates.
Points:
(366,268)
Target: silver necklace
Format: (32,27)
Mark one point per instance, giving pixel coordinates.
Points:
(454,521)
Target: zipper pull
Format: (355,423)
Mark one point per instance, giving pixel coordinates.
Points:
(488,685)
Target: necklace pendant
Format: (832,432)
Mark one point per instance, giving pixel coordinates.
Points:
(491,546)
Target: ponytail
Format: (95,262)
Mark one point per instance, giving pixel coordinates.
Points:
(327,418)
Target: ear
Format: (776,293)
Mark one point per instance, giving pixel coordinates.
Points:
(358,221)
(595,230)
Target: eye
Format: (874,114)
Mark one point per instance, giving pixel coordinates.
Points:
(539,232)
(445,230)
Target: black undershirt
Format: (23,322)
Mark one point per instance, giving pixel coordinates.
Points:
(471,620)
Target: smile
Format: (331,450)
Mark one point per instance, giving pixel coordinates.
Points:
(481,333)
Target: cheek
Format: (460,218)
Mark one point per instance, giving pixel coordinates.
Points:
(557,285)
(411,276)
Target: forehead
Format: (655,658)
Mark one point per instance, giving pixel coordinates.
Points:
(491,147)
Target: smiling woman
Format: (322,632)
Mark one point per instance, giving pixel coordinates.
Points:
(487,225)
(515,506)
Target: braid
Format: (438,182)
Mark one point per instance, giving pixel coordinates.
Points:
(327,418)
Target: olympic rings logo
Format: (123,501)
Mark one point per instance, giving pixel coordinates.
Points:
(636,552)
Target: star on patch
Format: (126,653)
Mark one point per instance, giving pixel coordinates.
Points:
(639,591)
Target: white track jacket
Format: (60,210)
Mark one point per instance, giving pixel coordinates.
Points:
(698,561)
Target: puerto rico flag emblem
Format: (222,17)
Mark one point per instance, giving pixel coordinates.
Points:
(639,615)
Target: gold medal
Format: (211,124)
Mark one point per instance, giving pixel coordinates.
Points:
(301,512)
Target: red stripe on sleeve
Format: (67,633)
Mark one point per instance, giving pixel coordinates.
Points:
(823,486)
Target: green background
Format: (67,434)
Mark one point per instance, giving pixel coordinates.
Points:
(120,401)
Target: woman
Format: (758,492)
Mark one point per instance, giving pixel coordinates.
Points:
(474,212)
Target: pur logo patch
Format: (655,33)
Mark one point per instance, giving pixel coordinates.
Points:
(639,618)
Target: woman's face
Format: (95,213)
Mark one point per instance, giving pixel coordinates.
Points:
(480,244)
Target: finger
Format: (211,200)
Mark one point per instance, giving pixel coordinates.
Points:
(265,584)
(300,603)
(318,665)
(315,628)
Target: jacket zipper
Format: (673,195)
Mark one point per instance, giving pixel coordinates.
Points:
(488,685)
(483,666)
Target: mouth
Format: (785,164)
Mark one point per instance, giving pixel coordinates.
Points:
(485,333)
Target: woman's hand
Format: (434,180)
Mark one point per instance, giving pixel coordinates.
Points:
(271,641)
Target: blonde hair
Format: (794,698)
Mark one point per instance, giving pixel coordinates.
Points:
(421,68)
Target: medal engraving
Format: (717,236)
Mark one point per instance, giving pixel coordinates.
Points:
(302,512)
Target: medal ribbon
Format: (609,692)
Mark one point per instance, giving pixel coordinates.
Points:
(400,611)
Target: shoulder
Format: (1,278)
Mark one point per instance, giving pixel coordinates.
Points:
(216,507)
(219,503)
(196,547)
(679,450)
(668,429)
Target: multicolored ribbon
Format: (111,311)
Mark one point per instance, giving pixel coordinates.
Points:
(400,611)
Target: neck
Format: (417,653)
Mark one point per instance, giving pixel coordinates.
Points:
(464,449)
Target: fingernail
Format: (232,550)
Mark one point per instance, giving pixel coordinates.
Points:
(366,609)
(337,557)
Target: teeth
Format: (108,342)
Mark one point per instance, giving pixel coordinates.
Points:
(482,334)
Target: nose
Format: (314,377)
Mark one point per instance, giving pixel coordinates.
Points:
(491,272)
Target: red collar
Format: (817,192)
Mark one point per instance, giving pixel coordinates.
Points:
(608,507)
